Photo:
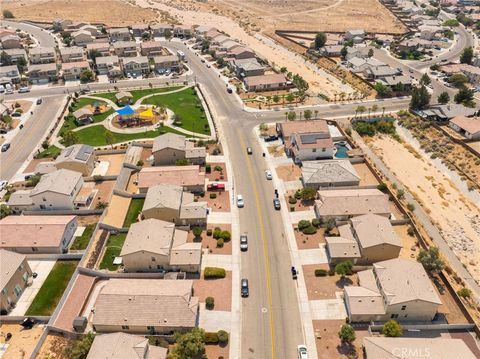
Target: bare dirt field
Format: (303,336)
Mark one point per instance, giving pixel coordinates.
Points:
(22,343)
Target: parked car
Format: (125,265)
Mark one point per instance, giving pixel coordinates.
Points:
(3,131)
(5,147)
(216,187)
(23,90)
(302,352)
(243,242)
(276,204)
(16,114)
(249,150)
(268,174)
(3,184)
(2,89)
(39,101)
(240,202)
(244,288)
(271,138)
(229,90)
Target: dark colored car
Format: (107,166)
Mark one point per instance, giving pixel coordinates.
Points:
(244,288)
(229,90)
(271,138)
(39,101)
(5,147)
(276,203)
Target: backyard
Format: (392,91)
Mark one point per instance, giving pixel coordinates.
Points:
(82,242)
(52,289)
(51,151)
(112,250)
(134,210)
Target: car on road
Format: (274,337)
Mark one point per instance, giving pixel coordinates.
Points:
(23,90)
(5,147)
(3,184)
(202,60)
(276,204)
(39,101)
(302,352)
(240,202)
(208,66)
(16,114)
(229,90)
(3,131)
(268,174)
(244,287)
(249,150)
(243,242)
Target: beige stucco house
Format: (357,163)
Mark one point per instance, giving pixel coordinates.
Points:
(79,158)
(41,55)
(124,346)
(189,177)
(14,275)
(169,148)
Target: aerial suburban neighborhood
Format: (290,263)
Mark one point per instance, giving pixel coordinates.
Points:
(249,179)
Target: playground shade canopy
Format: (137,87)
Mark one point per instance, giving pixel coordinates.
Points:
(147,113)
(126,111)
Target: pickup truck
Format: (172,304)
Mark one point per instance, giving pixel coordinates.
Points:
(216,187)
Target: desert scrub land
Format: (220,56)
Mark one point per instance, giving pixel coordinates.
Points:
(438,145)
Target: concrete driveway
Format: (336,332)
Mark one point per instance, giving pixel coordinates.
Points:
(328,309)
(213,320)
(313,256)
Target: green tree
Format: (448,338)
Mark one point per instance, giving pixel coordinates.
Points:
(290,97)
(360,110)
(443,98)
(458,80)
(315,113)
(308,194)
(168,34)
(7,14)
(344,268)
(382,90)
(93,54)
(86,76)
(276,98)
(425,80)
(467,56)
(430,259)
(464,293)
(307,114)
(451,23)
(5,59)
(347,334)
(22,64)
(5,211)
(320,40)
(370,53)
(344,52)
(464,96)
(70,138)
(189,345)
(364,128)
(392,329)
(420,98)
(291,116)
(80,348)
(300,83)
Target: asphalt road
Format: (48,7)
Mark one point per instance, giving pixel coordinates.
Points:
(44,38)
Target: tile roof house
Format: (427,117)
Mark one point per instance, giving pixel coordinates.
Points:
(170,147)
(125,48)
(138,65)
(241,52)
(73,70)
(16,54)
(168,202)
(153,245)
(37,234)
(344,204)
(11,42)
(145,306)
(247,67)
(447,112)
(72,54)
(119,34)
(413,348)
(466,126)
(397,289)
(189,177)
(109,65)
(9,73)
(14,276)
(266,82)
(159,30)
(80,158)
(41,55)
(82,37)
(166,62)
(329,173)
(102,47)
(124,346)
(364,240)
(139,29)
(151,48)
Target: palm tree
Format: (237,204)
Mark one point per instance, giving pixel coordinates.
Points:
(286,115)
(301,113)
(383,111)
(374,108)
(360,109)
(369,110)
(316,113)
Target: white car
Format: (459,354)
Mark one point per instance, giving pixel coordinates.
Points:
(302,352)
(268,174)
(240,202)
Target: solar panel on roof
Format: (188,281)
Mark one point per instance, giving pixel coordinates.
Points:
(83,153)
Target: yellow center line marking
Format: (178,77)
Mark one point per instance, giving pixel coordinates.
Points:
(264,240)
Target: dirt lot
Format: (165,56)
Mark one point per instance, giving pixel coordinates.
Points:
(300,205)
(409,243)
(208,242)
(312,241)
(22,342)
(276,150)
(34,163)
(211,148)
(219,204)
(115,163)
(104,192)
(324,287)
(53,347)
(215,175)
(289,173)
(366,176)
(219,289)
(217,351)
(84,220)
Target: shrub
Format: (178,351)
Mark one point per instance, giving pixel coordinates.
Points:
(197,231)
(214,272)
(344,268)
(410,206)
(140,163)
(220,243)
(316,222)
(7,14)
(331,272)
(309,230)
(208,169)
(321,273)
(392,329)
(382,187)
(211,338)
(410,231)
(218,168)
(226,236)
(19,110)
(209,302)
(97,178)
(298,194)
(209,232)
(303,224)
(464,293)
(213,195)
(217,233)
(222,336)
(400,193)
(292,200)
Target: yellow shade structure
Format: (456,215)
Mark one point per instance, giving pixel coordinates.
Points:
(147,113)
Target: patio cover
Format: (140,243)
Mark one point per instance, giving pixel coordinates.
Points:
(147,113)
(126,111)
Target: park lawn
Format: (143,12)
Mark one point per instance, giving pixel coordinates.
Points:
(108,95)
(138,94)
(82,241)
(52,289)
(113,249)
(69,123)
(185,104)
(51,152)
(95,135)
(136,205)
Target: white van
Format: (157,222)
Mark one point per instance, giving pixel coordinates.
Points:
(2,89)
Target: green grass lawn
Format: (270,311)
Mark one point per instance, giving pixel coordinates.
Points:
(113,248)
(50,152)
(52,289)
(82,241)
(187,105)
(138,94)
(95,135)
(134,209)
(69,123)
(108,95)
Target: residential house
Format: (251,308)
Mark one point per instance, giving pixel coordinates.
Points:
(55,191)
(42,73)
(92,29)
(472,73)
(153,245)
(469,127)
(219,39)
(446,112)
(138,30)
(229,45)
(159,30)
(380,347)
(125,48)
(364,240)
(397,289)
(169,62)
(72,54)
(138,65)
(201,29)
(170,148)
(119,34)
(357,51)
(376,72)
(41,55)
(102,47)
(360,64)
(241,52)
(15,274)
(182,31)
(331,50)
(169,202)
(211,34)
(151,48)
(11,42)
(428,32)
(73,70)
(62,23)
(145,306)
(83,116)
(396,82)
(80,158)
(266,82)
(355,34)
(343,204)
(414,45)
(16,54)
(37,234)
(109,65)
(9,74)
(247,67)
(120,345)
(82,37)
(189,177)
(329,173)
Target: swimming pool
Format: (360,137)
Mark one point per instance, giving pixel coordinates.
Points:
(341,151)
